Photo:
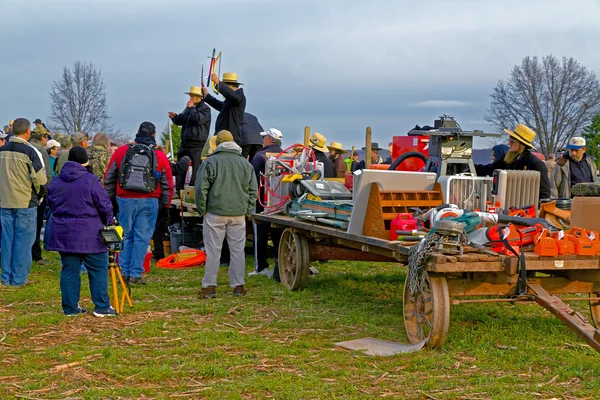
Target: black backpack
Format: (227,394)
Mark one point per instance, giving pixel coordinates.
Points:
(138,170)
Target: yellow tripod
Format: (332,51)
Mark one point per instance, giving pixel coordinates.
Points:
(115,274)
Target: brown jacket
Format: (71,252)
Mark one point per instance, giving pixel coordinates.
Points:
(339,166)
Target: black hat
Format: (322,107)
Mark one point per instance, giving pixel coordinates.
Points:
(79,155)
(374,147)
(147,129)
(37,121)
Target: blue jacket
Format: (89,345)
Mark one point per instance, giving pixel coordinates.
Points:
(80,209)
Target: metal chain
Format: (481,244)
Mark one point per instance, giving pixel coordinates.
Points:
(418,256)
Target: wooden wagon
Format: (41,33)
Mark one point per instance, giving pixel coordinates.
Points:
(449,279)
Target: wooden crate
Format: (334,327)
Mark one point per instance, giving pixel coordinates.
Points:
(384,206)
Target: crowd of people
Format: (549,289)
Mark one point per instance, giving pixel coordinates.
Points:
(79,189)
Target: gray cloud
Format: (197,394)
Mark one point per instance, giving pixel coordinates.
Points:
(337,66)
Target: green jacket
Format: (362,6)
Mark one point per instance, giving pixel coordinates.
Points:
(560,177)
(225,183)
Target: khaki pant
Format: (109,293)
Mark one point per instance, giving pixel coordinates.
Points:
(215,228)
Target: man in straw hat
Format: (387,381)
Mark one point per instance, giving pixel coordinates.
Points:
(519,156)
(225,194)
(231,111)
(195,126)
(335,155)
(317,143)
(572,168)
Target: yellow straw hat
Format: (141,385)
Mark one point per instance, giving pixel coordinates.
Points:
(523,134)
(195,91)
(318,142)
(337,146)
(230,77)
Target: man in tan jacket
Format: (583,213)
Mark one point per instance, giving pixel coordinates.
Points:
(572,168)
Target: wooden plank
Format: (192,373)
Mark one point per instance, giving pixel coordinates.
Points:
(468,258)
(554,285)
(374,225)
(466,267)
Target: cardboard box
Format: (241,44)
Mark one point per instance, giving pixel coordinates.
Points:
(585,213)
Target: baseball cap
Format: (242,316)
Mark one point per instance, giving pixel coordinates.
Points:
(147,128)
(274,133)
(3,135)
(51,144)
(37,121)
(79,137)
(576,143)
(224,136)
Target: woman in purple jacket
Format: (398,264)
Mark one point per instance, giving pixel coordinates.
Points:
(80,209)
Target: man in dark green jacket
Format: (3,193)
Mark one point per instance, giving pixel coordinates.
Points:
(225,193)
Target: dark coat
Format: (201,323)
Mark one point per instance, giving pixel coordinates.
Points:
(80,209)
(499,152)
(231,111)
(529,162)
(195,125)
(251,130)
(328,170)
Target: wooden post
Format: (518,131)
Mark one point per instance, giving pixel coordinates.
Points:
(306,135)
(368,148)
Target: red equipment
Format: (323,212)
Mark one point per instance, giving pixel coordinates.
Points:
(581,242)
(403,222)
(545,245)
(501,234)
(527,235)
(406,144)
(564,246)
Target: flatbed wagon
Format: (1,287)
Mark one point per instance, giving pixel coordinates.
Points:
(449,279)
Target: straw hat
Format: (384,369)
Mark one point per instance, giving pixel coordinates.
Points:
(523,134)
(318,142)
(337,146)
(230,77)
(195,91)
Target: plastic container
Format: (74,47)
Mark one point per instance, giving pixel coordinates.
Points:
(403,222)
(147,261)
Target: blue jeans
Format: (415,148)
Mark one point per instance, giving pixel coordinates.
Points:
(70,280)
(137,217)
(18,234)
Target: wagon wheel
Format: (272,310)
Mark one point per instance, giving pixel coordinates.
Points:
(427,312)
(595,309)
(293,260)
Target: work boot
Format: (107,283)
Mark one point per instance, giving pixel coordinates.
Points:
(208,292)
(135,280)
(239,290)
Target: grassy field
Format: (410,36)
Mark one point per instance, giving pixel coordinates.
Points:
(279,344)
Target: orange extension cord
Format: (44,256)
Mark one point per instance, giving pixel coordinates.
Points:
(197,260)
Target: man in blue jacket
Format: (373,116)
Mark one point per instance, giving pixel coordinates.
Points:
(231,111)
(195,126)
(225,194)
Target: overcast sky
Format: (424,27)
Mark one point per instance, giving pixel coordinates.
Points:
(336,66)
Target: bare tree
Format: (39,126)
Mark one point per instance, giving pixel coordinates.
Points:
(78,100)
(556,99)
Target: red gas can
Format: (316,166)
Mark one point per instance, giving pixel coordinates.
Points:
(403,222)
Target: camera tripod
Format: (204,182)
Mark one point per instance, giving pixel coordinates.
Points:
(115,274)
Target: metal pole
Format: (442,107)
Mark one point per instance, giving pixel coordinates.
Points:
(170,138)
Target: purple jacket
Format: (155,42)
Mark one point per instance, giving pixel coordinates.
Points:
(80,209)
